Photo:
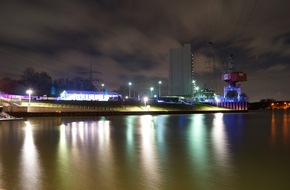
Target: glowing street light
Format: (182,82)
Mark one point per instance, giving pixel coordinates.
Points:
(129,89)
(103,85)
(160,82)
(193,87)
(151,90)
(29,92)
(197,88)
(145,100)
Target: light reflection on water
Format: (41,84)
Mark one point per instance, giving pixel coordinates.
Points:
(150,161)
(29,164)
(280,123)
(198,151)
(221,153)
(1,173)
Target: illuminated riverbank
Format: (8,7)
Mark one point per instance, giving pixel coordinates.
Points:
(44,109)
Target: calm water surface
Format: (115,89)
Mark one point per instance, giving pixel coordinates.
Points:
(199,151)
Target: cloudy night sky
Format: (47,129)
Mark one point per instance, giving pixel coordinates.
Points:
(129,40)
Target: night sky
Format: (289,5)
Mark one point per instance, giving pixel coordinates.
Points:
(129,40)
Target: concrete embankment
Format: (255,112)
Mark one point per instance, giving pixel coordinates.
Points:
(45,109)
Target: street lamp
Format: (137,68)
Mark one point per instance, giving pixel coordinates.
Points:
(103,90)
(160,82)
(151,90)
(29,92)
(193,88)
(197,93)
(129,89)
(145,100)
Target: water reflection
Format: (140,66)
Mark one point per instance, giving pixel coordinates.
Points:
(199,150)
(1,173)
(220,140)
(208,145)
(30,177)
(286,123)
(63,159)
(80,141)
(130,131)
(161,127)
(192,151)
(280,127)
(220,149)
(149,158)
(273,129)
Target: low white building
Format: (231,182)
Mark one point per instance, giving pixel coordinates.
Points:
(89,95)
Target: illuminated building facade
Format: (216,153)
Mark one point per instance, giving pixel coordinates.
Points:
(89,95)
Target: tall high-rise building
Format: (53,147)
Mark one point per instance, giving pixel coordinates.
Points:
(180,71)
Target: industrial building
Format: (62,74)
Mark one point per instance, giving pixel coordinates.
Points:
(180,71)
(182,82)
(89,95)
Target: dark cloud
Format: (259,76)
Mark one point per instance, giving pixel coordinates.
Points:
(129,40)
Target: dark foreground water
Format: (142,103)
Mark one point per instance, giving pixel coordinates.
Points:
(200,151)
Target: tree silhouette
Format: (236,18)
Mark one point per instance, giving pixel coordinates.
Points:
(8,85)
(39,82)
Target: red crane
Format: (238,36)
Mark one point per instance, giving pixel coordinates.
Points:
(232,76)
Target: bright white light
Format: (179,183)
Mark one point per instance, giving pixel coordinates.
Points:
(217,99)
(29,169)
(62,94)
(29,91)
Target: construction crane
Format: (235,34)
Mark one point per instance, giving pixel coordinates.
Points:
(232,76)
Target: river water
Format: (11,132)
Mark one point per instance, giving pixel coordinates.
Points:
(216,151)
